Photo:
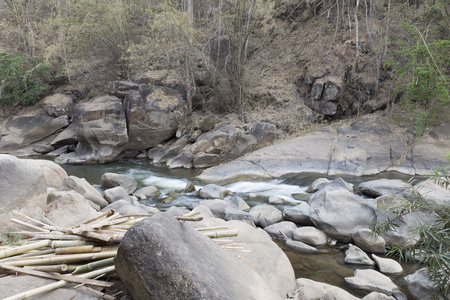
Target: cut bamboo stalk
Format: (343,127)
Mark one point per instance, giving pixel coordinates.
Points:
(106,214)
(24,248)
(133,221)
(69,278)
(30,226)
(34,253)
(63,244)
(56,285)
(94,226)
(76,249)
(219,234)
(102,295)
(93,265)
(50,268)
(192,213)
(58,259)
(58,236)
(212,228)
(48,221)
(102,237)
(44,226)
(194,219)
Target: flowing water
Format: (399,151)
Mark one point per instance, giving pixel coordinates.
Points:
(326,267)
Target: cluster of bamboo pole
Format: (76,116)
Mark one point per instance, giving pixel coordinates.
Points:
(80,253)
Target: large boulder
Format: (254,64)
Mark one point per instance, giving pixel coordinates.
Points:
(265,215)
(68,208)
(333,212)
(24,130)
(111,180)
(310,289)
(419,284)
(371,280)
(187,266)
(81,186)
(101,131)
(153,116)
(380,187)
(58,105)
(23,188)
(53,173)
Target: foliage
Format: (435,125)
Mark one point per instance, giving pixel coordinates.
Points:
(433,246)
(23,80)
(422,71)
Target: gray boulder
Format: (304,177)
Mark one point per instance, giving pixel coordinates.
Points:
(111,180)
(281,229)
(372,281)
(58,105)
(146,192)
(264,132)
(24,130)
(298,214)
(23,188)
(54,174)
(380,187)
(117,193)
(231,213)
(274,200)
(304,286)
(310,235)
(334,213)
(237,202)
(317,184)
(354,255)
(264,215)
(82,187)
(369,241)
(68,208)
(196,268)
(387,265)
(378,296)
(301,247)
(101,131)
(433,192)
(153,115)
(419,284)
(213,191)
(217,206)
(66,137)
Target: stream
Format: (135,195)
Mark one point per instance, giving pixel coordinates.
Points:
(326,267)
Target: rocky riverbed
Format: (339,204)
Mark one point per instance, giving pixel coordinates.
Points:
(324,220)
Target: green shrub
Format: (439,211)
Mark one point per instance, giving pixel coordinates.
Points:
(22,80)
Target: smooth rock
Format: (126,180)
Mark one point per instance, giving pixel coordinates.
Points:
(58,105)
(111,180)
(310,235)
(231,213)
(217,206)
(147,192)
(196,268)
(419,284)
(354,255)
(336,292)
(276,200)
(237,202)
(68,208)
(317,184)
(286,227)
(115,194)
(434,193)
(369,241)
(371,280)
(82,187)
(264,215)
(213,191)
(301,247)
(387,265)
(53,173)
(298,214)
(378,296)
(380,187)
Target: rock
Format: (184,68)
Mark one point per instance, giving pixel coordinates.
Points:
(24,130)
(286,227)
(372,281)
(66,137)
(231,213)
(310,235)
(117,193)
(264,215)
(170,151)
(378,296)
(81,186)
(335,185)
(58,105)
(388,266)
(419,284)
(42,148)
(205,212)
(128,210)
(169,78)
(433,193)
(369,241)
(68,208)
(111,180)
(116,205)
(217,206)
(212,191)
(298,214)
(304,285)
(196,268)
(237,202)
(189,188)
(101,131)
(264,132)
(354,255)
(317,184)
(402,234)
(13,285)
(301,247)
(334,213)
(24,189)
(54,174)
(147,192)
(120,88)
(276,200)
(380,187)
(176,211)
(153,115)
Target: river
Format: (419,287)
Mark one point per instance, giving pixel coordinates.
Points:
(326,267)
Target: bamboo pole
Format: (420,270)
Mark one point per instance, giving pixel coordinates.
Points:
(56,285)
(93,265)
(50,268)
(219,234)
(101,237)
(77,249)
(30,226)
(58,259)
(34,253)
(95,225)
(212,228)
(24,248)
(63,244)
(106,214)
(58,236)
(192,213)
(194,219)
(44,226)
